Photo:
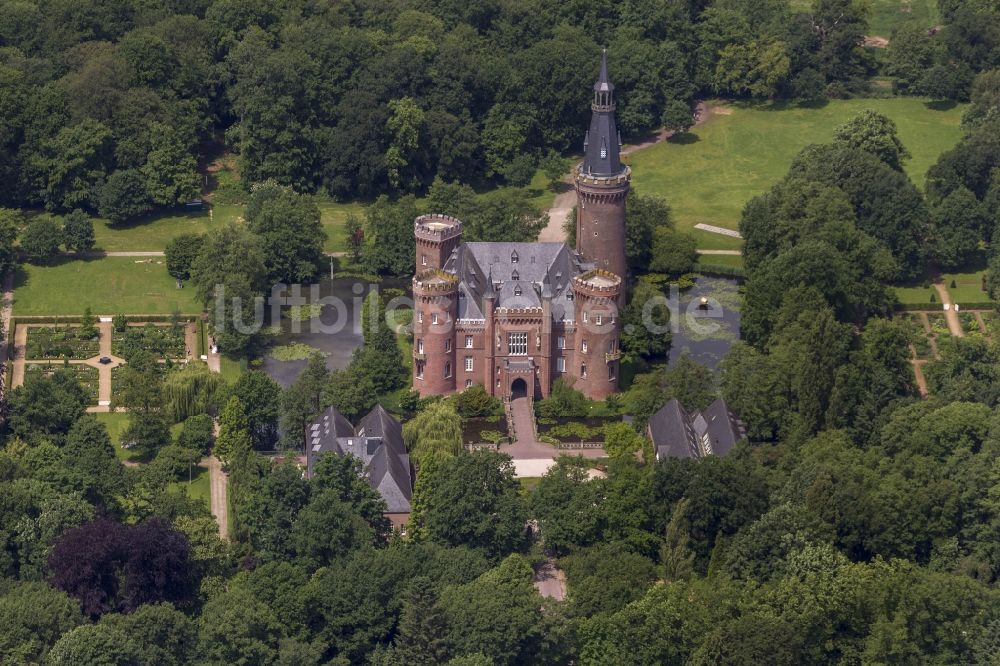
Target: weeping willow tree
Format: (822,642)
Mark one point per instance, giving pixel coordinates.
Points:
(435,430)
(189,391)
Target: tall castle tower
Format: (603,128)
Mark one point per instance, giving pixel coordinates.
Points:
(602,184)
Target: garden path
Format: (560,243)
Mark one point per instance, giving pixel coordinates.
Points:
(6,309)
(218,481)
(918,373)
(17,354)
(550,581)
(954,325)
(531,457)
(720,253)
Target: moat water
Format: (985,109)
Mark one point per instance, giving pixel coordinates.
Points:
(337,333)
(705,333)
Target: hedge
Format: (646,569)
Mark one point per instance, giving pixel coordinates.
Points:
(719,270)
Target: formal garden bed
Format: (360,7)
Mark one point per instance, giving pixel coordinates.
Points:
(574,430)
(160,341)
(970,325)
(57,342)
(992,321)
(939,325)
(919,338)
(491,429)
(86,375)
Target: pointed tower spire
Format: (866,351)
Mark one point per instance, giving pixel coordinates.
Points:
(602,143)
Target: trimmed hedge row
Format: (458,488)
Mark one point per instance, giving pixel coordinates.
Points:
(936,307)
(720,270)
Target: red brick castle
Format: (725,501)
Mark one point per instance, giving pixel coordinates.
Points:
(514,317)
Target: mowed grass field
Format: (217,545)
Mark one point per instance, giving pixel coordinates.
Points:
(107,286)
(742,150)
(884,16)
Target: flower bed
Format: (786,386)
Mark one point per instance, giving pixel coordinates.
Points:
(86,375)
(55,342)
(969,323)
(939,325)
(160,341)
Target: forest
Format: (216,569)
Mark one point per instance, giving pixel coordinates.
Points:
(860,524)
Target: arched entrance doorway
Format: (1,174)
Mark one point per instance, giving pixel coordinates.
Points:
(518,389)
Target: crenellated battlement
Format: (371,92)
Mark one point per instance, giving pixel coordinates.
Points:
(435,281)
(437,227)
(597,282)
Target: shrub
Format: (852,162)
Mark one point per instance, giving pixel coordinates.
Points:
(119,323)
(197,433)
(475,401)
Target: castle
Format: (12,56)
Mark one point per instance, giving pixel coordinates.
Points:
(515,317)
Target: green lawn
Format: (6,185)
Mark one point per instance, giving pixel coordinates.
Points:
(334,218)
(198,488)
(968,287)
(108,286)
(885,15)
(739,153)
(720,260)
(231,369)
(153,232)
(918,295)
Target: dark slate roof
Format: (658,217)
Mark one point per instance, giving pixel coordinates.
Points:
(681,434)
(670,430)
(602,143)
(378,443)
(724,430)
(388,465)
(516,275)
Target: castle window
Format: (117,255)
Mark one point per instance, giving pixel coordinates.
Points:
(570,295)
(468,364)
(434,318)
(423,260)
(447,344)
(584,347)
(517,344)
(420,345)
(600,320)
(583,370)
(468,383)
(604,153)
(447,370)
(420,369)
(420,316)
(468,342)
(515,276)
(585,317)
(561,342)
(513,258)
(611,345)
(611,372)
(517,291)
(560,365)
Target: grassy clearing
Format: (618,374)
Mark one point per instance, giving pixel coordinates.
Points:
(152,233)
(886,15)
(116,422)
(107,286)
(198,488)
(918,295)
(742,150)
(968,287)
(334,218)
(231,368)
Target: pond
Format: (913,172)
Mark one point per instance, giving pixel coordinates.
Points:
(705,333)
(336,334)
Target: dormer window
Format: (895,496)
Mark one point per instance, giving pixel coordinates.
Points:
(517,291)
(515,276)
(513,258)
(604,153)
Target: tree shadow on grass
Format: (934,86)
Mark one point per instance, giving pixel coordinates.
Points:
(941,105)
(684,138)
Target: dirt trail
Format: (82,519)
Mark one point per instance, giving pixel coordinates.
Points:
(954,325)
(218,482)
(550,581)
